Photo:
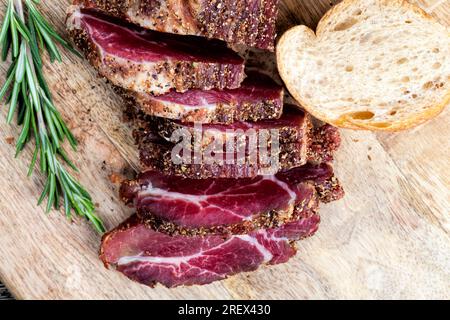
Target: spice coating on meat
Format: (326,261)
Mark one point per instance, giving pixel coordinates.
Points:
(325,141)
(158,154)
(214,203)
(247,22)
(229,205)
(263,221)
(258,98)
(149,62)
(293,127)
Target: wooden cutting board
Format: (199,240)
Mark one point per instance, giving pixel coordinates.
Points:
(389,238)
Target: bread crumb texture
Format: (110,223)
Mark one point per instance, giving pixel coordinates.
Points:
(372,64)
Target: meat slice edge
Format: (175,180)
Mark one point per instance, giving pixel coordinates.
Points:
(150,257)
(180,159)
(252,22)
(294,126)
(231,205)
(258,98)
(150,62)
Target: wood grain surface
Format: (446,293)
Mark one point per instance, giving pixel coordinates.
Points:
(389,238)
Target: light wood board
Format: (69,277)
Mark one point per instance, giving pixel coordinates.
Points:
(389,237)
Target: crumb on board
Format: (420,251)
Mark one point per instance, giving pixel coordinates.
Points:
(10,140)
(116,178)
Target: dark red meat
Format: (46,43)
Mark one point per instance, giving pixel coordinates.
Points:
(151,257)
(248,22)
(151,62)
(246,160)
(259,97)
(207,203)
(294,126)
(254,89)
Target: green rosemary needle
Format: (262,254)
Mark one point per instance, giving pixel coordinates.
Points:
(24,34)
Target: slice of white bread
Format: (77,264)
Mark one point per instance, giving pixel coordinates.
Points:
(372,64)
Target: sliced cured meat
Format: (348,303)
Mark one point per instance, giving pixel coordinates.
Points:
(250,22)
(150,257)
(165,157)
(252,202)
(325,141)
(293,126)
(150,62)
(258,98)
(298,142)
(262,221)
(246,160)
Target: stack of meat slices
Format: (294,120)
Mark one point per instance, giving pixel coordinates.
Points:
(197,222)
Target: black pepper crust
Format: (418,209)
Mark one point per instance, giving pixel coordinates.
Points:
(135,220)
(325,141)
(247,22)
(293,141)
(316,145)
(117,8)
(250,22)
(165,128)
(158,156)
(152,159)
(268,220)
(225,113)
(225,232)
(160,77)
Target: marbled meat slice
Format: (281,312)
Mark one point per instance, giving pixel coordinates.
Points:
(151,62)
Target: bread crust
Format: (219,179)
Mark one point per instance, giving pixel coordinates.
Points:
(345,121)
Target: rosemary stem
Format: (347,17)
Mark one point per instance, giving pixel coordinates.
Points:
(25,33)
(19,8)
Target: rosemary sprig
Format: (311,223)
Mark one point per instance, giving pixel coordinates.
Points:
(25,33)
